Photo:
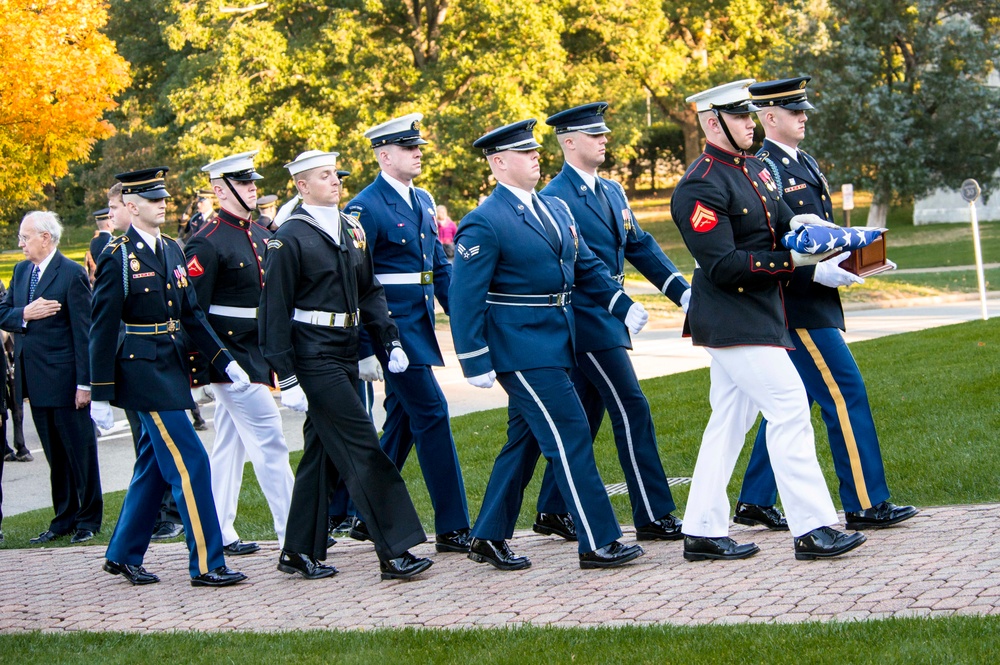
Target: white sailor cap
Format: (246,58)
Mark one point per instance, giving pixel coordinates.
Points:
(403,131)
(234,167)
(312,159)
(731,98)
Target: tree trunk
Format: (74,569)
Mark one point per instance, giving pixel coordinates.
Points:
(879,211)
(692,137)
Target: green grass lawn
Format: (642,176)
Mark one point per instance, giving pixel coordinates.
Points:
(953,640)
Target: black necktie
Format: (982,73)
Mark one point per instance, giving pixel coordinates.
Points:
(413,201)
(603,200)
(546,224)
(33,282)
(159,251)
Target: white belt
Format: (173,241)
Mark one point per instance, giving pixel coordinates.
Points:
(234,312)
(328,319)
(426,277)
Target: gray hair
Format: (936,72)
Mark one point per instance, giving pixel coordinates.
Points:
(46,222)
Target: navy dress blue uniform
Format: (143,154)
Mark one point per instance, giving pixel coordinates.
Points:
(604,378)
(312,276)
(820,354)
(50,361)
(411,265)
(513,287)
(146,370)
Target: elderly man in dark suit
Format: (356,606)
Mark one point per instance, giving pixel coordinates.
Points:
(48,309)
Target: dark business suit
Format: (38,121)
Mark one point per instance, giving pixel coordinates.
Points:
(50,361)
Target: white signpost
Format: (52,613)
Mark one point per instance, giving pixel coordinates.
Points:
(847,191)
(971,192)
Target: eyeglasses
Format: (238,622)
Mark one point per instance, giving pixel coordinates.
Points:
(22,238)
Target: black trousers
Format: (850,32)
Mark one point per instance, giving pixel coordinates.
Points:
(340,442)
(67,437)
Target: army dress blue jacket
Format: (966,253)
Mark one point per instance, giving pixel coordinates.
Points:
(805,190)
(614,241)
(503,254)
(732,217)
(146,371)
(404,240)
(225,263)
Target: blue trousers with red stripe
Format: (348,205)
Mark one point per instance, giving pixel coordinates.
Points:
(169,454)
(833,380)
(605,381)
(546,418)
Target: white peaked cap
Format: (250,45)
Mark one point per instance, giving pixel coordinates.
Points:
(728,97)
(312,159)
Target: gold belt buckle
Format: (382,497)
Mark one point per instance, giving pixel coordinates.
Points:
(426,278)
(172,326)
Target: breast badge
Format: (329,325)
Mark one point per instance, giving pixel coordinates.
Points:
(134,265)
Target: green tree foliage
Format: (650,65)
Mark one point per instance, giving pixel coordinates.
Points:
(901,95)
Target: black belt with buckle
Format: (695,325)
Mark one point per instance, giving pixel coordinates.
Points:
(170,326)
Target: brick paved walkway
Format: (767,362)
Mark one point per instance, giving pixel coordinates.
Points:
(944,561)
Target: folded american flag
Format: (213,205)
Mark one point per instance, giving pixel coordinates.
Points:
(812,239)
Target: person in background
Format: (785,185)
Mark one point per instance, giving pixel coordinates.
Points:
(100,240)
(267,207)
(446,231)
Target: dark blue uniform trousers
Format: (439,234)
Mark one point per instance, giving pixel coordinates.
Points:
(546,417)
(832,379)
(417,414)
(169,454)
(606,380)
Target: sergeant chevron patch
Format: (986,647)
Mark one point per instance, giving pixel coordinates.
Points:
(466,253)
(703,218)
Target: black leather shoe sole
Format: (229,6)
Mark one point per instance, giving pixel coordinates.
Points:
(110,567)
(631,556)
(242,549)
(405,575)
(329,571)
(658,535)
(81,537)
(746,521)
(448,547)
(198,581)
(850,545)
(549,531)
(705,556)
(499,565)
(860,525)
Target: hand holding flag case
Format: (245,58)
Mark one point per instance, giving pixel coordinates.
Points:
(867,246)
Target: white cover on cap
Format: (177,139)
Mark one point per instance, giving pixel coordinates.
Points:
(231,164)
(312,159)
(393,126)
(720,95)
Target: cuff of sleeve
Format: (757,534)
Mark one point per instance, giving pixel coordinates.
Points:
(87,388)
(288,382)
(620,305)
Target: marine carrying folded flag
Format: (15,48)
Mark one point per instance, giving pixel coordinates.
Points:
(813,239)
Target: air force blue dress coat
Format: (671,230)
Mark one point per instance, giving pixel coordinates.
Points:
(405,240)
(501,250)
(614,236)
(49,363)
(804,188)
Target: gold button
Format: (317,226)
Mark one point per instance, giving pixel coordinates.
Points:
(823,196)
(261,271)
(172,337)
(763,199)
(786,264)
(131,355)
(168,286)
(147,289)
(255,245)
(426,297)
(745,170)
(828,215)
(230,332)
(740,289)
(191,358)
(800,202)
(745,211)
(772,265)
(758,265)
(404,241)
(707,159)
(755,183)
(736,160)
(241,264)
(194,380)
(259,258)
(422,235)
(768,215)
(170,303)
(390,312)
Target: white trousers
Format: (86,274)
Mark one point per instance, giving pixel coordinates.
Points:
(248,424)
(747,380)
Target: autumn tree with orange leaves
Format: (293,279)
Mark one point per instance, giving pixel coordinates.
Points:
(58,76)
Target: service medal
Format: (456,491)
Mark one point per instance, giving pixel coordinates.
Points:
(134,265)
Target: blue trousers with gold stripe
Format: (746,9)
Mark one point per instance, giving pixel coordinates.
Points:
(169,454)
(546,417)
(833,380)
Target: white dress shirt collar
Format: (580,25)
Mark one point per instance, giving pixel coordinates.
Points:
(401,189)
(588,178)
(45,262)
(792,152)
(150,239)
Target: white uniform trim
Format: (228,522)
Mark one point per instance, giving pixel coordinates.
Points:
(666,284)
(473,354)
(405,278)
(233,312)
(628,438)
(562,460)
(611,305)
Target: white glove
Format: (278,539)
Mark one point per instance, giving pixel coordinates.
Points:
(295,399)
(686,301)
(829,273)
(799,259)
(370,369)
(202,394)
(100,413)
(636,318)
(809,218)
(398,362)
(240,379)
(483,380)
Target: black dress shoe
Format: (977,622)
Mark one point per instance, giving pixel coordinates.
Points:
(200,425)
(496,553)
(610,556)
(359,530)
(453,541)
(342,528)
(555,524)
(876,517)
(824,542)
(750,514)
(9,457)
(82,536)
(239,548)
(699,549)
(306,566)
(404,567)
(45,537)
(24,456)
(134,574)
(221,576)
(166,531)
(665,528)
